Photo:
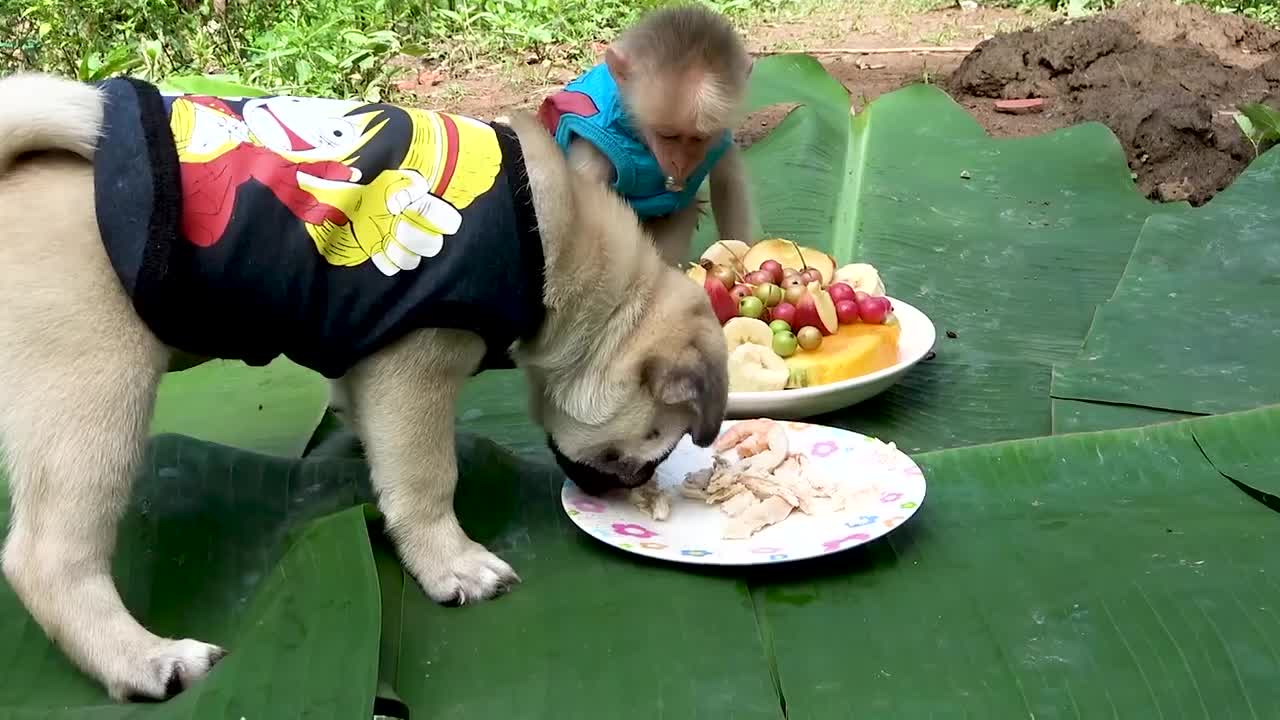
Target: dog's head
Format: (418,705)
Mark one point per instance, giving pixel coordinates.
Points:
(632,358)
(625,410)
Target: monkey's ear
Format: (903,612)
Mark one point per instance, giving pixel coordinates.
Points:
(618,64)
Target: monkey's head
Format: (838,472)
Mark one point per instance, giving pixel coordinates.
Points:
(682,72)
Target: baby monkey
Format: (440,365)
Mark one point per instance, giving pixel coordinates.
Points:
(655,119)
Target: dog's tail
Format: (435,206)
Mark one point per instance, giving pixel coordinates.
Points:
(44,112)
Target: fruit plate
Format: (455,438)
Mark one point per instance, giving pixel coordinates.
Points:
(894,490)
(915,342)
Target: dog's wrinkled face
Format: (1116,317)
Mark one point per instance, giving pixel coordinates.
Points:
(661,382)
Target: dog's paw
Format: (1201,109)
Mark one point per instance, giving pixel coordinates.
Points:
(470,575)
(167,670)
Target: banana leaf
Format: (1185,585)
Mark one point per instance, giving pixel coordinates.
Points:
(272,410)
(1192,326)
(268,556)
(1112,574)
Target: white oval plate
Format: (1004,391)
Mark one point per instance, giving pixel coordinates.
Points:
(917,339)
(692,534)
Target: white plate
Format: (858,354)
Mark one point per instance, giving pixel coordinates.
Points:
(692,534)
(916,340)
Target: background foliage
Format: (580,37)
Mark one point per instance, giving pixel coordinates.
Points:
(350,47)
(327,47)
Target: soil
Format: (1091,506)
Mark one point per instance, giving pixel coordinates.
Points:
(1164,77)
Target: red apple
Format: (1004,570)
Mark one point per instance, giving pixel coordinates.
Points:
(740,291)
(725,307)
(817,309)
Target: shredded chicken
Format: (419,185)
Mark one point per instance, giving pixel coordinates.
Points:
(650,499)
(755,480)
(766,512)
(766,482)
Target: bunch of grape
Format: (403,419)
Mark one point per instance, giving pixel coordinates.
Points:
(794,302)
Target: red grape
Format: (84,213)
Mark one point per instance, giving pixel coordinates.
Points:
(759,277)
(785,312)
(774,268)
(873,310)
(847,312)
(740,291)
(811,275)
(841,291)
(859,296)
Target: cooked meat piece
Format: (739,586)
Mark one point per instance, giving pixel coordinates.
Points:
(651,500)
(735,505)
(770,511)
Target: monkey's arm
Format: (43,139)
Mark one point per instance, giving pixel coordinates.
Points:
(586,160)
(731,198)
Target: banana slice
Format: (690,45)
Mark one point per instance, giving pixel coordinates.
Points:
(744,331)
(861,276)
(756,368)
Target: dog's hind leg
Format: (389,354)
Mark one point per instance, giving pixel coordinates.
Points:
(78,377)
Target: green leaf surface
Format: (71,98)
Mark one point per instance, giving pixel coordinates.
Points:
(271,409)
(1254,465)
(1192,326)
(1071,416)
(1008,253)
(1264,119)
(216,85)
(1096,575)
(589,633)
(238,549)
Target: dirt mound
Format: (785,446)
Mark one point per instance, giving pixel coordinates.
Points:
(1163,77)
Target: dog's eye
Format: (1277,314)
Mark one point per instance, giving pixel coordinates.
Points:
(654,434)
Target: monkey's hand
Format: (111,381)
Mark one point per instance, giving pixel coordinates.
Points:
(419,222)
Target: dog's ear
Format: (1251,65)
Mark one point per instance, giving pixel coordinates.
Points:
(688,380)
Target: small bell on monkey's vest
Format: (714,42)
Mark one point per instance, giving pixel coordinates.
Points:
(672,185)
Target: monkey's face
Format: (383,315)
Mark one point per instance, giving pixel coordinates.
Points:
(679,150)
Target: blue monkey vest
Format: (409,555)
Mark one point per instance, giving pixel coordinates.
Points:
(590,107)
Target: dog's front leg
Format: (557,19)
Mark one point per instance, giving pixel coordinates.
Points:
(402,400)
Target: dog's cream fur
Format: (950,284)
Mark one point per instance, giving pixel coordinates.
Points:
(629,360)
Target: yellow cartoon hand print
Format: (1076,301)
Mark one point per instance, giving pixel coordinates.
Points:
(408,223)
(406,213)
(419,220)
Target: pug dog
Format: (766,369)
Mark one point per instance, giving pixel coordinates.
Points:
(395,251)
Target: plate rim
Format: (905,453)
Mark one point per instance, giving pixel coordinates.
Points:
(764,560)
(783,397)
